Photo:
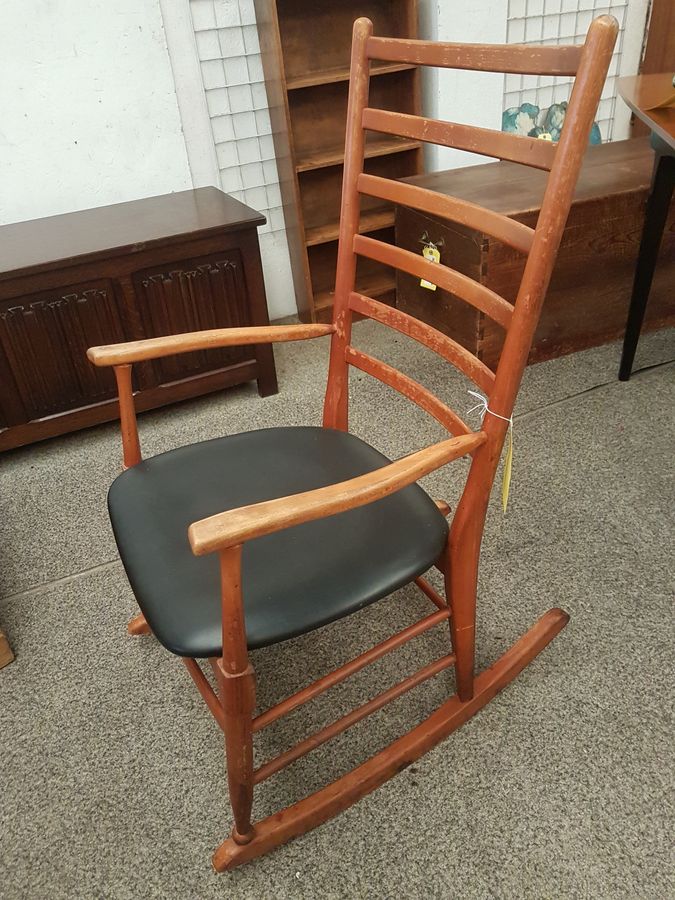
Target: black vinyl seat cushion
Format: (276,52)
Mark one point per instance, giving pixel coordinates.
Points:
(293,580)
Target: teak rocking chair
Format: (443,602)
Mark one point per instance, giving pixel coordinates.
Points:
(303,526)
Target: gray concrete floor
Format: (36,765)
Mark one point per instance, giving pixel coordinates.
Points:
(111,772)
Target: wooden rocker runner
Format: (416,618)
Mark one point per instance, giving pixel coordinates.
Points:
(244,541)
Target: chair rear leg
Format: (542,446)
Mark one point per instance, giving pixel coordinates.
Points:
(463,645)
(460,572)
(238,700)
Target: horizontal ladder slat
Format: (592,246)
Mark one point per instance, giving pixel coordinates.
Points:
(443,276)
(498,144)
(351,668)
(507,230)
(428,336)
(523,59)
(411,389)
(340,73)
(335,728)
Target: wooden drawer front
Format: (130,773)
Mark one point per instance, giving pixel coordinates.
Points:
(194,295)
(587,300)
(463,250)
(45,339)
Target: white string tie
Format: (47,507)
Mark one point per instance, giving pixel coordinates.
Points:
(482,405)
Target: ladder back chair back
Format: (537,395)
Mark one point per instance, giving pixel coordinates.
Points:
(588,63)
(374,480)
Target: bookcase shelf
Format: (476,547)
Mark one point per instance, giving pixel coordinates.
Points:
(334,156)
(306,47)
(374,287)
(341,73)
(372,221)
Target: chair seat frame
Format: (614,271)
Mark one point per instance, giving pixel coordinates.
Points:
(233,705)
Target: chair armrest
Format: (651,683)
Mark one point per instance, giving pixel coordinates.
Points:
(153,348)
(230,528)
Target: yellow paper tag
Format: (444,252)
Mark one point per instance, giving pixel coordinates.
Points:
(433,255)
(506,475)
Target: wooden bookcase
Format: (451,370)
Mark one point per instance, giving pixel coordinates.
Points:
(306,47)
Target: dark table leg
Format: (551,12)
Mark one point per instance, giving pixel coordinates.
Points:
(658,204)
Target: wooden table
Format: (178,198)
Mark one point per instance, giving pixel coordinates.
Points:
(642,93)
(182,262)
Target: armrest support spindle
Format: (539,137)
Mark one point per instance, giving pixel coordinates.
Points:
(131,446)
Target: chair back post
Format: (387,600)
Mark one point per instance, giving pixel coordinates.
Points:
(467,526)
(595,58)
(336,404)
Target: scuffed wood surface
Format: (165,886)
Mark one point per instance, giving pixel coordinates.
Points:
(154,348)
(486,141)
(410,388)
(449,279)
(513,233)
(521,59)
(430,337)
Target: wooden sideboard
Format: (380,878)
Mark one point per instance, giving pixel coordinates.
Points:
(182,262)
(587,300)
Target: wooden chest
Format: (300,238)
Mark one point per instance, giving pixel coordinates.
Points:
(587,301)
(182,262)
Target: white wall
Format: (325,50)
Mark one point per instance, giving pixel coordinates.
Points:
(470,97)
(567,22)
(222,36)
(95,108)
(634,25)
(88,107)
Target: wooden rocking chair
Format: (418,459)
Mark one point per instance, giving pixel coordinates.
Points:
(307,525)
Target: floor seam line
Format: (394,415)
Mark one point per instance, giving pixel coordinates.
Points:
(58,581)
(590,390)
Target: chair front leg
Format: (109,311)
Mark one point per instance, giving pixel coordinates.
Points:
(237,693)
(238,699)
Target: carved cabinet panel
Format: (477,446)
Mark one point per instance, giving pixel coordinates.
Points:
(194,295)
(45,338)
(187,261)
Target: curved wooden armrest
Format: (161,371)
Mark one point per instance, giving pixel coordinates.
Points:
(230,528)
(153,348)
